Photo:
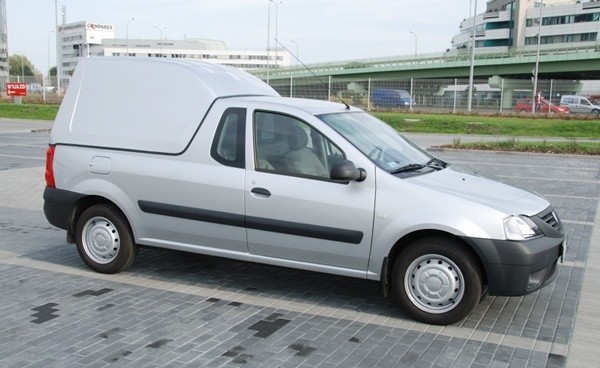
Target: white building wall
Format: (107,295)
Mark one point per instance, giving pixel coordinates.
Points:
(83,39)
(195,50)
(77,40)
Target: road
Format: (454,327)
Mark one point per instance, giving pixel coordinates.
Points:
(178,309)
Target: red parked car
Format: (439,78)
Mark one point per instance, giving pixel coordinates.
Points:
(524,105)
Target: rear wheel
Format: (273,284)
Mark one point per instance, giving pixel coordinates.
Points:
(104,239)
(437,280)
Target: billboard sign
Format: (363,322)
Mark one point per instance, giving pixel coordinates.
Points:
(16,89)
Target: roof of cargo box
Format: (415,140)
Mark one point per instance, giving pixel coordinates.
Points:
(145,104)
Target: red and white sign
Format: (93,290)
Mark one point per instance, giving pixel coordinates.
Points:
(16,89)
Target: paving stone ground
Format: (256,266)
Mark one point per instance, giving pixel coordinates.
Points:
(175,309)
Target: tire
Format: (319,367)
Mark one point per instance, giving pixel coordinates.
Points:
(437,280)
(596,113)
(104,239)
(523,110)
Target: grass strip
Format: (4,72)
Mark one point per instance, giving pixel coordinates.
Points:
(28,111)
(514,145)
(571,127)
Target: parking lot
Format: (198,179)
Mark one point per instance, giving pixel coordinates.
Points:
(179,309)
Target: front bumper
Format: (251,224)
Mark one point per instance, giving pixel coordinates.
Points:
(519,267)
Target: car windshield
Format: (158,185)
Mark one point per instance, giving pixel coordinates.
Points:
(385,146)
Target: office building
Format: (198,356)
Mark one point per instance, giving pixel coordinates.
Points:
(83,39)
(192,48)
(509,24)
(77,40)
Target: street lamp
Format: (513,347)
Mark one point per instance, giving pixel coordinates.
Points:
(472,66)
(297,57)
(269,36)
(58,59)
(161,31)
(161,37)
(414,34)
(276,27)
(127,36)
(47,69)
(410,101)
(537,62)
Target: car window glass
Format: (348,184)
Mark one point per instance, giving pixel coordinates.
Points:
(228,145)
(289,146)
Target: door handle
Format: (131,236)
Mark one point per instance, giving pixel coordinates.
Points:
(261,191)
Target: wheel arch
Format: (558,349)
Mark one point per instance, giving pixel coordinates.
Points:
(405,241)
(81,205)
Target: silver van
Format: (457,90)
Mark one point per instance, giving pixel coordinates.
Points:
(204,158)
(579,104)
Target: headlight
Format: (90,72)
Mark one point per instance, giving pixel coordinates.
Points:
(520,228)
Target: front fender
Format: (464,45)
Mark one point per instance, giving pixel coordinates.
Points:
(388,232)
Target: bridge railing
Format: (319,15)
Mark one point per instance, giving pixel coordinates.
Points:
(427,60)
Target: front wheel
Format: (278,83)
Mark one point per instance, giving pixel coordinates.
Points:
(104,239)
(437,280)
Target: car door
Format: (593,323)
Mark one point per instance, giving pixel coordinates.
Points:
(295,215)
(195,201)
(576,106)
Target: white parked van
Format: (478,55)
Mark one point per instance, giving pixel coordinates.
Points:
(579,104)
(204,158)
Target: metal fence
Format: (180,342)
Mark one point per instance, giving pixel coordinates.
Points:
(39,90)
(492,95)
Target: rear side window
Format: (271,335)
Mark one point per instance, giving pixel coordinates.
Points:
(228,145)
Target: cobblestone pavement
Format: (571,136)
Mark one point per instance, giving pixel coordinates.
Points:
(177,309)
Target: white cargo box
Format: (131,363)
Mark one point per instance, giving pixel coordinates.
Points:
(153,105)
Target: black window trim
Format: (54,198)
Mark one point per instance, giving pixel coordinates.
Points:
(240,160)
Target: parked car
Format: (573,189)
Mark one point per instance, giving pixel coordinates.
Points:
(212,160)
(391,98)
(524,105)
(579,105)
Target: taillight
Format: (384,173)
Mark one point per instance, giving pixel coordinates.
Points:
(50,167)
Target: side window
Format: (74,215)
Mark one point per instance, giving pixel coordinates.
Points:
(228,145)
(289,146)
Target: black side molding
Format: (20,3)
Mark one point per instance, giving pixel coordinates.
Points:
(311,231)
(191,213)
(256,223)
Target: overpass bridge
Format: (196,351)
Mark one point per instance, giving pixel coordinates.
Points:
(508,74)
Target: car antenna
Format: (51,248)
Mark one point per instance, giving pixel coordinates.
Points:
(311,72)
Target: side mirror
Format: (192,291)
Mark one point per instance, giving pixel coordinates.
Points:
(344,170)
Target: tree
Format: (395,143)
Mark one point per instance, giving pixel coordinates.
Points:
(53,71)
(20,65)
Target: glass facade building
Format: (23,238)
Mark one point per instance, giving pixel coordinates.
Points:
(508,24)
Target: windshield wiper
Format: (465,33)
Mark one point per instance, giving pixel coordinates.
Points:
(409,167)
(436,163)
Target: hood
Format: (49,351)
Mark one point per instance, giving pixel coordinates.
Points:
(464,183)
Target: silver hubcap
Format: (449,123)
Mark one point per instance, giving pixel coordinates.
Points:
(101,240)
(434,283)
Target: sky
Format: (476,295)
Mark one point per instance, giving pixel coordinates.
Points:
(323,30)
